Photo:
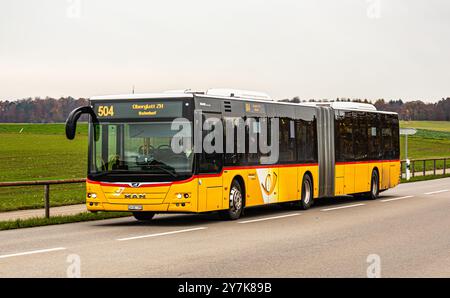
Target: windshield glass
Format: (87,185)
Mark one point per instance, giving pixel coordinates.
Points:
(138,150)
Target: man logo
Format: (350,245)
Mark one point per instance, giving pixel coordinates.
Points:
(135,185)
(134,196)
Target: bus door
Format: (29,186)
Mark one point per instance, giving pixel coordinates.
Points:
(288,173)
(210,165)
(263,181)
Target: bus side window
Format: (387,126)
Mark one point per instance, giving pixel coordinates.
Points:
(287,141)
(265,122)
(391,146)
(360,146)
(211,162)
(300,131)
(230,156)
(344,137)
(374,136)
(387,137)
(395,137)
(306,140)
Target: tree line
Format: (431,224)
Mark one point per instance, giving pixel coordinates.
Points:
(51,110)
(409,110)
(37,110)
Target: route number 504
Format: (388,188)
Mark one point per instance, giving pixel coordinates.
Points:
(105,111)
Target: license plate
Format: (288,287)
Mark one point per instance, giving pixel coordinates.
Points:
(135,207)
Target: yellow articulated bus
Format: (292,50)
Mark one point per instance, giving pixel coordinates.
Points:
(226,150)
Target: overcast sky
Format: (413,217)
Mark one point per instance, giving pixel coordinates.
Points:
(312,49)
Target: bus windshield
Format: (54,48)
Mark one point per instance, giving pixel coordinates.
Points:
(138,150)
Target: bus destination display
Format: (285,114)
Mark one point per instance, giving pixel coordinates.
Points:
(135,110)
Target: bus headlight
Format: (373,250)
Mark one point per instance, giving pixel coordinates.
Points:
(92,195)
(183,195)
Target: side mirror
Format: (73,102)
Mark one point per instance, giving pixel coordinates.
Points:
(71,122)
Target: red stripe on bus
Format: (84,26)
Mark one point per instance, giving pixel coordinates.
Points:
(270,167)
(201,175)
(234,168)
(363,162)
(143,184)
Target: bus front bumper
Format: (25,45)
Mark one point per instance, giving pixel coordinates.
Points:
(101,206)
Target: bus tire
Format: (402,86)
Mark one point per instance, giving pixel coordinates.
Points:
(374,186)
(307,198)
(236,205)
(144,216)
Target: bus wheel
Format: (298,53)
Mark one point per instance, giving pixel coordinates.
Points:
(236,202)
(307,198)
(374,187)
(143,216)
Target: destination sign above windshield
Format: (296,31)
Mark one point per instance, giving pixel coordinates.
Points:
(133,110)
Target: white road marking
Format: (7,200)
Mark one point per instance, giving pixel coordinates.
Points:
(268,218)
(161,234)
(396,199)
(32,252)
(343,207)
(434,192)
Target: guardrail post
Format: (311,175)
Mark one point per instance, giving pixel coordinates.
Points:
(434,167)
(413,168)
(47,200)
(424,167)
(445,164)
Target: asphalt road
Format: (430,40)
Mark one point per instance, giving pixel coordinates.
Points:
(408,228)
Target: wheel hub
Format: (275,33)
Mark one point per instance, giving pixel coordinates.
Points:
(235,199)
(307,193)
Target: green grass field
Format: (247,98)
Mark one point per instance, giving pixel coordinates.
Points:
(40,129)
(41,152)
(427,125)
(432,140)
(427,144)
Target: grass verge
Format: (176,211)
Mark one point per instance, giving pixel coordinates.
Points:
(32,197)
(424,178)
(57,220)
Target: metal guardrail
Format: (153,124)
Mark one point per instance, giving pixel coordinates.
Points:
(46,184)
(426,166)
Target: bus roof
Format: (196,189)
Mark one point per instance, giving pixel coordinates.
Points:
(348,106)
(143,96)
